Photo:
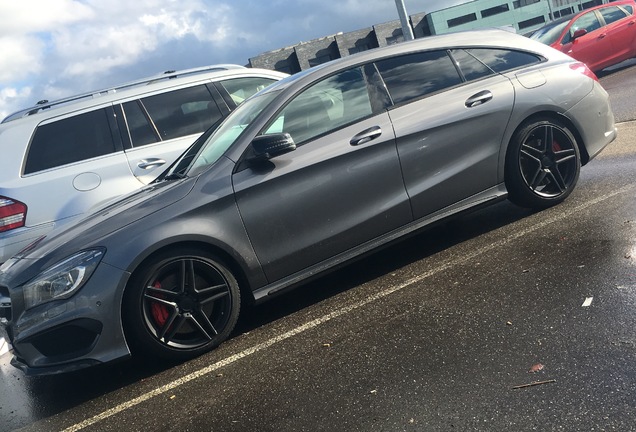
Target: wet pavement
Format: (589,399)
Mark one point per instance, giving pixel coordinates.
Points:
(503,319)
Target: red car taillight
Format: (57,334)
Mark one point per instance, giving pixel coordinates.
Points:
(12,214)
(584,70)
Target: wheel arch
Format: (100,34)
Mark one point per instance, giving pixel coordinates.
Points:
(247,296)
(585,157)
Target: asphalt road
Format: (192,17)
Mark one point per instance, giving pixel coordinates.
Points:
(501,320)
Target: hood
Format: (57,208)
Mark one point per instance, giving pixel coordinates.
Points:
(87,232)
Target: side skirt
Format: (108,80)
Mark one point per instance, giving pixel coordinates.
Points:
(482,199)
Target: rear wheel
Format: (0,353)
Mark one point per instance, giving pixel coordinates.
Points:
(542,164)
(180,305)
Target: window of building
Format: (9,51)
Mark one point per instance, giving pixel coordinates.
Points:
(531,22)
(503,60)
(563,12)
(454,22)
(521,3)
(69,140)
(412,76)
(495,10)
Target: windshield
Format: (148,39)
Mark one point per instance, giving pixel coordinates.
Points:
(229,131)
(550,33)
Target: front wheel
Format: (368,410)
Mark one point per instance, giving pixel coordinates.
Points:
(181,304)
(542,164)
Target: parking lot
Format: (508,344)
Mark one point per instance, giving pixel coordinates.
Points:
(503,319)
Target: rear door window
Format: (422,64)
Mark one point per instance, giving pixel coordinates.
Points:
(503,60)
(240,89)
(70,140)
(471,68)
(412,76)
(612,14)
(180,113)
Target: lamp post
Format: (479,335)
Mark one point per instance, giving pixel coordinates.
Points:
(407,31)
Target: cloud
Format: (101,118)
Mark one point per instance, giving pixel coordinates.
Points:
(56,48)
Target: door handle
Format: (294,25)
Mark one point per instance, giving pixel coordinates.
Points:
(150,163)
(366,136)
(479,98)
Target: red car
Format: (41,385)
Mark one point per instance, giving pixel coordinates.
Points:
(599,37)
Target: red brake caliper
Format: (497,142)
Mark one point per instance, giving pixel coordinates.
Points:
(159,311)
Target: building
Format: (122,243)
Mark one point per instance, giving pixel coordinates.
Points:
(522,15)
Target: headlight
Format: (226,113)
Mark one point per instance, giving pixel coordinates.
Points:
(63,279)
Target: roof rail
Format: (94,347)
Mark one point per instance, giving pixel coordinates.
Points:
(45,104)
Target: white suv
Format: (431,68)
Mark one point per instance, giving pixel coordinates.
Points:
(60,159)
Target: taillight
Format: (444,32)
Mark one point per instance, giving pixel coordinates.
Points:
(584,70)
(12,214)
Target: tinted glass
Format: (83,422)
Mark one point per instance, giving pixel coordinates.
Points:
(472,68)
(412,76)
(501,60)
(73,139)
(612,14)
(334,102)
(240,89)
(142,132)
(182,112)
(550,33)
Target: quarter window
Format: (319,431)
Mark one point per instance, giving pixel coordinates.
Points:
(412,76)
(326,106)
(70,140)
(501,60)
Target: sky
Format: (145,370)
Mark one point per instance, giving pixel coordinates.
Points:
(51,49)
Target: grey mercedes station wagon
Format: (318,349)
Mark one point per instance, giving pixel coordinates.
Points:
(307,174)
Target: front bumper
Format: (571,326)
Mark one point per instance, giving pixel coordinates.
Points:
(65,335)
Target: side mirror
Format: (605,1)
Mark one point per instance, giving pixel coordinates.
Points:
(578,33)
(269,146)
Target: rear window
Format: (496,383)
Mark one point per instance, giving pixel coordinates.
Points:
(503,60)
(72,139)
(411,76)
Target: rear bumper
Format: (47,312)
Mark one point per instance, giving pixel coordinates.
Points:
(594,119)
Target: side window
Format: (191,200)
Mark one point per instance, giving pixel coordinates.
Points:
(142,131)
(332,103)
(502,60)
(240,89)
(182,112)
(69,140)
(628,8)
(612,14)
(471,68)
(589,22)
(412,76)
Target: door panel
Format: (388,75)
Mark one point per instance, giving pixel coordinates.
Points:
(148,161)
(449,143)
(593,47)
(324,198)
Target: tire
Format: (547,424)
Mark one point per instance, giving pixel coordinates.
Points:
(542,164)
(180,305)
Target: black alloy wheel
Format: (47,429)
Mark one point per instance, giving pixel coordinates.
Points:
(181,305)
(542,165)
